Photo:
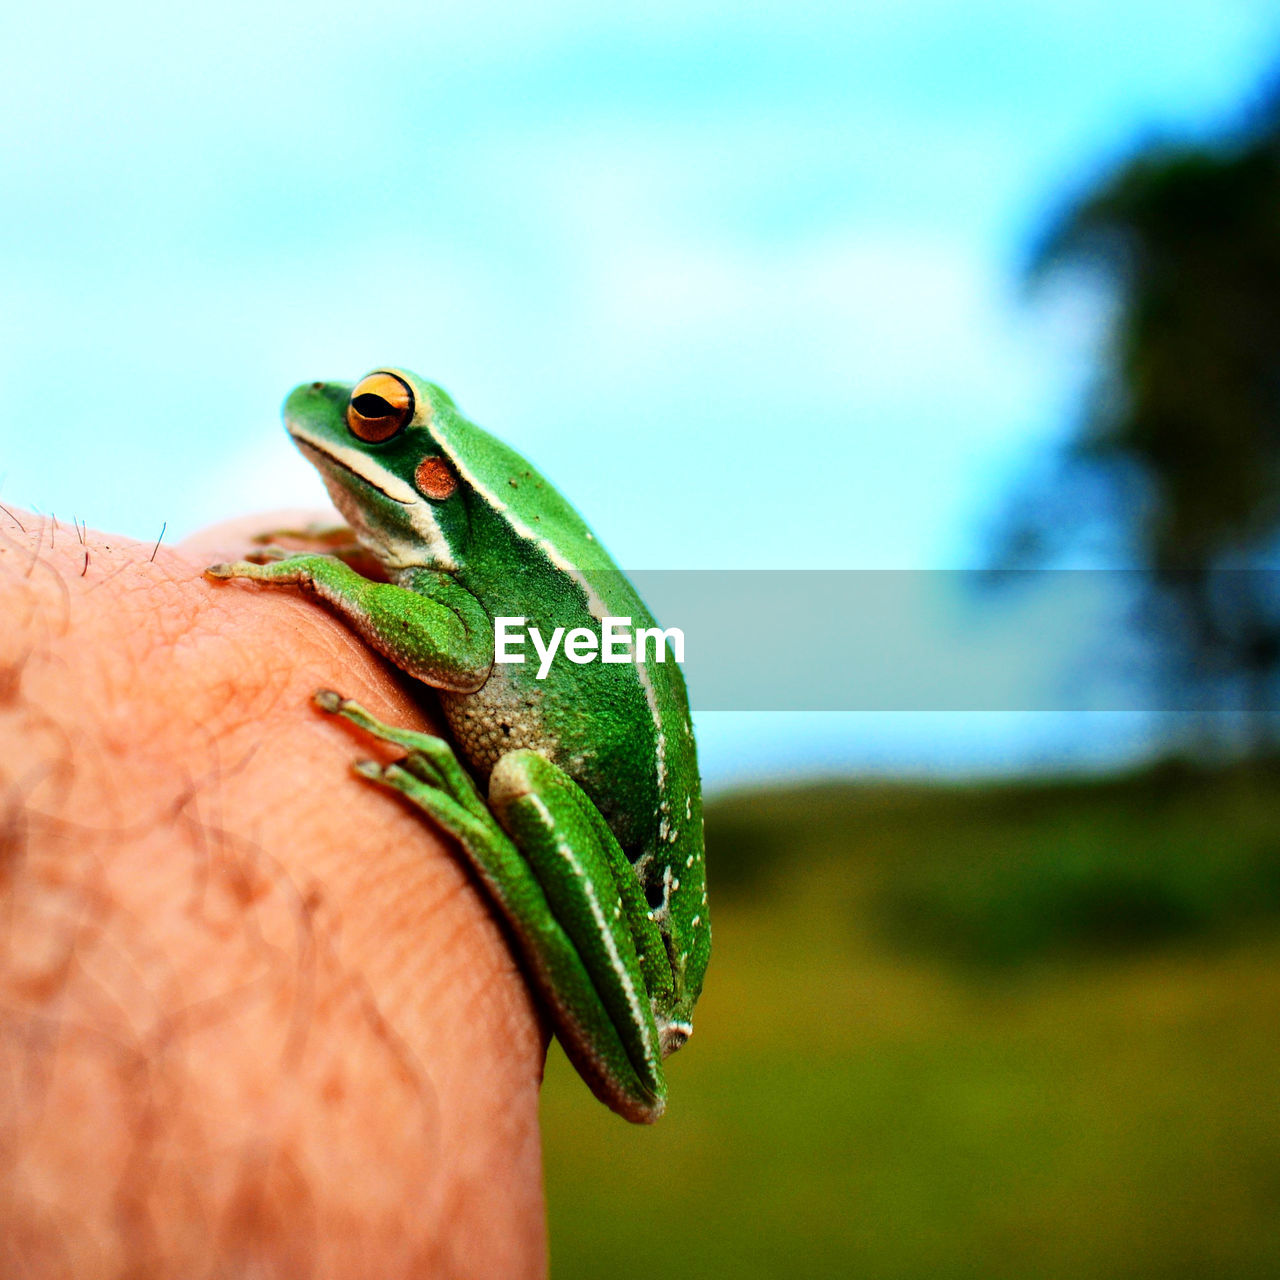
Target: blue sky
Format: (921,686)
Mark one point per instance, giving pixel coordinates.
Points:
(743,279)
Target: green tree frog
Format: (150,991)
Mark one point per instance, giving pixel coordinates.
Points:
(574,795)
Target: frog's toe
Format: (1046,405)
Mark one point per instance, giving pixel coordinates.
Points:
(268,555)
(243,569)
(673,1036)
(328,700)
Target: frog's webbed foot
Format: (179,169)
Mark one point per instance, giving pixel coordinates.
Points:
(322,541)
(289,567)
(231,569)
(324,532)
(268,554)
(334,542)
(571,898)
(430,759)
(319,537)
(269,564)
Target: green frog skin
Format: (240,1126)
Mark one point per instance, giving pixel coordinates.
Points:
(575,797)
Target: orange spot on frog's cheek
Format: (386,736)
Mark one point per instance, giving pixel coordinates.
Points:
(434,479)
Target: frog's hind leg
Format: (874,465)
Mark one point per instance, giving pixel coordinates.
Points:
(565,888)
(596,897)
(430,759)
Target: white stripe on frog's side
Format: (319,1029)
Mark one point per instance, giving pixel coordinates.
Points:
(595,605)
(651,697)
(605,933)
(400,554)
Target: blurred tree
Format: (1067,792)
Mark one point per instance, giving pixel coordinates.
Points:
(1179,447)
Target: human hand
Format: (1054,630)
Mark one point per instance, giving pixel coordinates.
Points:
(254,1016)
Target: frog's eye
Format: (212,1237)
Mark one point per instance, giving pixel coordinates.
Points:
(380,406)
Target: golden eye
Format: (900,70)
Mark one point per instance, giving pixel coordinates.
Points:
(380,405)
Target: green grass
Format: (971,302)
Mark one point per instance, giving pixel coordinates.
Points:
(865,1100)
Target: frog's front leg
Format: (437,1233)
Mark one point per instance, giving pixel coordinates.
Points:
(572,900)
(322,537)
(437,631)
(335,537)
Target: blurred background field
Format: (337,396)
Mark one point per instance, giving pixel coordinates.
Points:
(1025,1030)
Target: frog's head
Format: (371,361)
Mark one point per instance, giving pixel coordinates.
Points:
(377,448)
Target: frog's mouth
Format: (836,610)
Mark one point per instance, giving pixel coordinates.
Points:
(420,545)
(324,455)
